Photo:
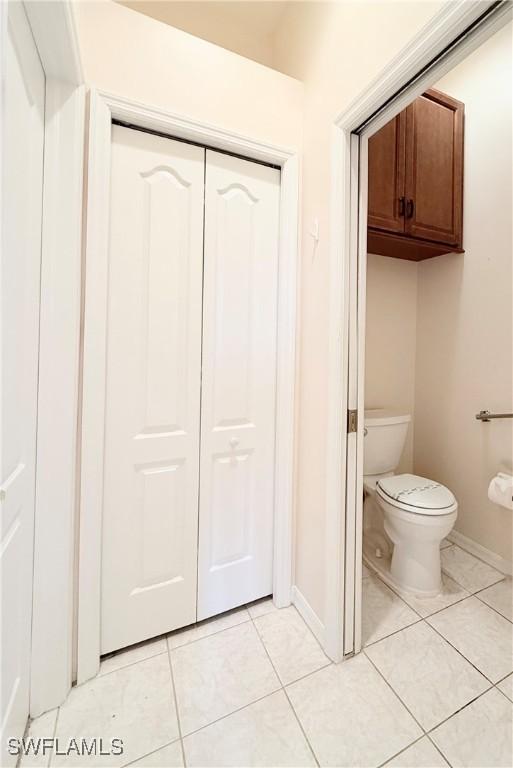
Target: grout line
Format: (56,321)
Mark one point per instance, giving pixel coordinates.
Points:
(427,732)
(228,714)
(494,584)
(476,595)
(445,607)
(125,666)
(411,607)
(504,694)
(438,610)
(501,574)
(424,731)
(503,678)
(496,686)
(434,728)
(148,754)
(284,689)
(459,546)
(203,637)
(176,703)
(54,735)
(396,695)
(425,619)
(239,709)
(391,634)
(381,765)
(428,736)
(461,654)
(25,736)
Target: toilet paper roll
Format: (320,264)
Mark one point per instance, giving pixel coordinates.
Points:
(500,490)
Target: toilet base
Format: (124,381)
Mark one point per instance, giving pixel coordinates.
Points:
(382,567)
(417,564)
(404,547)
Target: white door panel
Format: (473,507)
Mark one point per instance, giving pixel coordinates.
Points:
(151,468)
(238,383)
(21,261)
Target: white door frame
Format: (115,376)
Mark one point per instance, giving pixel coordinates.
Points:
(436,49)
(56,41)
(103,108)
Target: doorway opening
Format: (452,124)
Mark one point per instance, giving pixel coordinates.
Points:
(392,93)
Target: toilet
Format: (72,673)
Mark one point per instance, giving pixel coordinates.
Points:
(405,516)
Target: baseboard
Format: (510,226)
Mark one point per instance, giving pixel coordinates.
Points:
(486,555)
(308,614)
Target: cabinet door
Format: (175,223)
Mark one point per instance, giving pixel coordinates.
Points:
(386,176)
(238,383)
(434,168)
(152,388)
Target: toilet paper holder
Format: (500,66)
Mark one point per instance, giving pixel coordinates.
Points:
(488,416)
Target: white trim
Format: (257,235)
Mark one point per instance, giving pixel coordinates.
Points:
(3,67)
(55,36)
(360,352)
(484,554)
(352,397)
(103,108)
(53,27)
(335,541)
(442,30)
(285,382)
(93,390)
(59,334)
(309,616)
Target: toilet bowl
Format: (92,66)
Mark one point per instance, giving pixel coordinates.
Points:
(405,516)
(416,528)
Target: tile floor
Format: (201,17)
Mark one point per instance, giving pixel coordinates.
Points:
(433,687)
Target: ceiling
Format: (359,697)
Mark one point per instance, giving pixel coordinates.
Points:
(246,28)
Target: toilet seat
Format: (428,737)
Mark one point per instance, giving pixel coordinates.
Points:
(416,495)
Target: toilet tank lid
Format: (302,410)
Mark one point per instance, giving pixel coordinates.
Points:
(382,417)
(415,491)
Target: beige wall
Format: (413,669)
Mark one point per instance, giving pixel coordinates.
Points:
(135,56)
(322,43)
(243,26)
(464,350)
(391,340)
(337,48)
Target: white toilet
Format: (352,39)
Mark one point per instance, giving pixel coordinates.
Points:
(405,516)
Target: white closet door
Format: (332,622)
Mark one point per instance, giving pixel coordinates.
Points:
(238,383)
(22,181)
(150,512)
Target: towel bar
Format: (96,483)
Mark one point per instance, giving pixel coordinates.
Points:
(487,416)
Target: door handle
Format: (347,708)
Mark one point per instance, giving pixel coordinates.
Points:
(401,205)
(234,441)
(410,207)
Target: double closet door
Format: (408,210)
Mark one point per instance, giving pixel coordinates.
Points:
(188,500)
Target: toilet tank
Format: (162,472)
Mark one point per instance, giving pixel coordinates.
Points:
(384,439)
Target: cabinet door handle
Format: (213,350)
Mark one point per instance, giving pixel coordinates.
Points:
(410,206)
(401,206)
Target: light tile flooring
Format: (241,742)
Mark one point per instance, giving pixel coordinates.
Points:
(433,687)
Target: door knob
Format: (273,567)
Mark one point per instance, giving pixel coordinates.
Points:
(234,441)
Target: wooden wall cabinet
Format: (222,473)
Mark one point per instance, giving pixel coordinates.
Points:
(415,208)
